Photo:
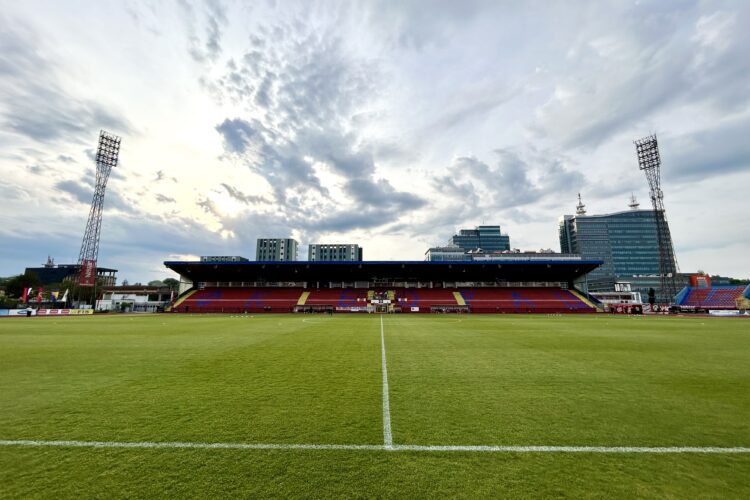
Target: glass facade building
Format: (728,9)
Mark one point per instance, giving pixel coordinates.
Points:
(626,242)
(488,238)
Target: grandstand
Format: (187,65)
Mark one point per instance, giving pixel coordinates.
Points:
(704,298)
(384,287)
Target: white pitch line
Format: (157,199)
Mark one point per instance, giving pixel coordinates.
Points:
(387,434)
(375,447)
(577,449)
(188,445)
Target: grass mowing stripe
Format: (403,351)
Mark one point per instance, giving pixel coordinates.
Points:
(377,447)
(387,434)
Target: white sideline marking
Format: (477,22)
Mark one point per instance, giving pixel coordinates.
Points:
(387,434)
(577,449)
(375,447)
(189,445)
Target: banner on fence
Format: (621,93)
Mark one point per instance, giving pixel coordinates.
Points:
(21,312)
(64,312)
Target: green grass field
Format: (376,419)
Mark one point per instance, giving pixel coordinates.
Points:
(465,381)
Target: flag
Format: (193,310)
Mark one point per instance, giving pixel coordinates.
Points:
(64,297)
(54,294)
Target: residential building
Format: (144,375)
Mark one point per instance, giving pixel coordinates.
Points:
(276,249)
(334,252)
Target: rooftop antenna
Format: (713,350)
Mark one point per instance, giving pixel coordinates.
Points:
(580,208)
(649,161)
(633,202)
(107,155)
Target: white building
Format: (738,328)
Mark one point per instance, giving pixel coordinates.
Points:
(334,252)
(134,298)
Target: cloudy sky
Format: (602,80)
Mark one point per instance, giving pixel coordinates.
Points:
(389,124)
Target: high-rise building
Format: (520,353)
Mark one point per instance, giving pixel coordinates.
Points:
(625,241)
(276,249)
(488,238)
(334,252)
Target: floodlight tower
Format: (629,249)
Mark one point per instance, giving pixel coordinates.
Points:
(107,154)
(649,161)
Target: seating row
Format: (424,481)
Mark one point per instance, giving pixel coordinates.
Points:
(480,300)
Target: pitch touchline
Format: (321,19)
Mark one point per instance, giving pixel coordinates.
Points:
(387,434)
(372,447)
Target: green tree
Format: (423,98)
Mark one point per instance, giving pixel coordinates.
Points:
(172,283)
(156,283)
(15,285)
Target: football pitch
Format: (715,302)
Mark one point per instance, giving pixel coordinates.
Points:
(374,406)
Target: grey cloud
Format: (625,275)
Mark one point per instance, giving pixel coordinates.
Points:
(411,24)
(303,97)
(649,60)
(348,220)
(10,192)
(237,134)
(381,193)
(280,164)
(242,197)
(83,194)
(37,168)
(114,200)
(448,186)
(720,150)
(513,181)
(36,106)
(208,206)
(78,191)
(214,17)
(164,199)
(160,176)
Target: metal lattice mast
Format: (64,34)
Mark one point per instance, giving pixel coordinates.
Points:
(107,154)
(649,161)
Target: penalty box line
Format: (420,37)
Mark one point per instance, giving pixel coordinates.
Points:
(376,447)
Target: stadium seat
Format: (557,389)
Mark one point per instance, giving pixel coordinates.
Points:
(524,300)
(479,300)
(715,297)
